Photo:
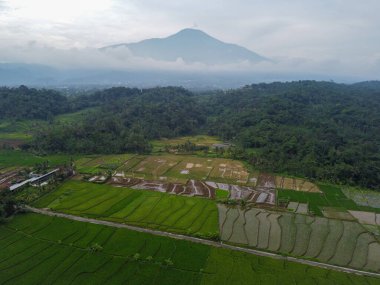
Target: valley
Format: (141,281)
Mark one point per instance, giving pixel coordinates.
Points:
(110,199)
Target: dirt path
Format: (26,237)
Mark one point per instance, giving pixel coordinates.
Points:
(202,241)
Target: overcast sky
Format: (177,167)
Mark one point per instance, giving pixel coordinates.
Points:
(322,34)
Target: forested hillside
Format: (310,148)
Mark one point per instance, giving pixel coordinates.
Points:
(319,130)
(315,129)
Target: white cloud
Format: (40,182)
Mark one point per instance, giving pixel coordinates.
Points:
(334,36)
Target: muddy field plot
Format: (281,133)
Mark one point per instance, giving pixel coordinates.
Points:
(266,181)
(252,179)
(155,167)
(296,184)
(246,193)
(151,185)
(199,188)
(191,188)
(240,192)
(229,171)
(252,195)
(343,243)
(123,181)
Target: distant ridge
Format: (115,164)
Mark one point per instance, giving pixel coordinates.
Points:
(191,45)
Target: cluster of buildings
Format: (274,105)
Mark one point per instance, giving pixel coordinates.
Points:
(35,180)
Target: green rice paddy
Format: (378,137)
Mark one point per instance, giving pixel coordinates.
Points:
(13,158)
(188,215)
(38,249)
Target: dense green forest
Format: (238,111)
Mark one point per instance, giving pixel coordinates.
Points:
(127,120)
(25,103)
(320,130)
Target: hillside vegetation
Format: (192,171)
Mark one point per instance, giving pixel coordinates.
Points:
(319,130)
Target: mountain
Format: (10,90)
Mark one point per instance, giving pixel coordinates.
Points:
(191,45)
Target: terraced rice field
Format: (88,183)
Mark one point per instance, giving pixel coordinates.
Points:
(192,167)
(189,215)
(155,167)
(168,167)
(197,188)
(191,188)
(181,168)
(45,250)
(129,164)
(343,243)
(229,171)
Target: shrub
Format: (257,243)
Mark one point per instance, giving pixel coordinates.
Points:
(95,247)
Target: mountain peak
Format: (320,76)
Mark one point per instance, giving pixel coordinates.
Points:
(192,45)
(191,31)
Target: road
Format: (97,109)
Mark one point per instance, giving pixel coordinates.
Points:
(201,241)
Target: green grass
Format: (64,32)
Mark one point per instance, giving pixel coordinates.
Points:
(11,158)
(38,249)
(19,126)
(189,215)
(18,131)
(221,194)
(15,136)
(74,117)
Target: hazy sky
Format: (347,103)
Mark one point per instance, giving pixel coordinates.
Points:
(315,34)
